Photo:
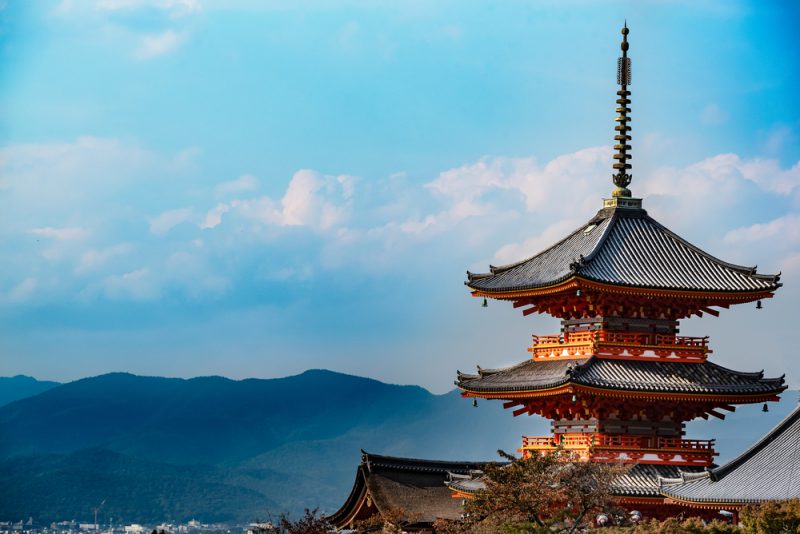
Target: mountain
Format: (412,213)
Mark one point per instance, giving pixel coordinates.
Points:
(293,441)
(216,449)
(19,387)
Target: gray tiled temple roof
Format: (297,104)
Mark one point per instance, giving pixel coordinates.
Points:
(769,470)
(641,480)
(634,375)
(625,247)
(412,485)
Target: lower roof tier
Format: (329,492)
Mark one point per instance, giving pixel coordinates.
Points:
(659,379)
(639,481)
(769,470)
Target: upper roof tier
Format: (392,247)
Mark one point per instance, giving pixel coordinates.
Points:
(623,247)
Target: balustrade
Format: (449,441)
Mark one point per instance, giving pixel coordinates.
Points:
(624,441)
(620,344)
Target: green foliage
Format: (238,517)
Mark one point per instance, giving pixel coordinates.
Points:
(776,517)
(674,525)
(542,493)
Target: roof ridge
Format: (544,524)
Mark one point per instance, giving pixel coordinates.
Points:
(606,232)
(759,374)
(767,439)
(418,463)
(750,271)
(495,269)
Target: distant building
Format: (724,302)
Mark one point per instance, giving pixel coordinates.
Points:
(387,485)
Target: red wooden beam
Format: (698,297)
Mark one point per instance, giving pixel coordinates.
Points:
(519,411)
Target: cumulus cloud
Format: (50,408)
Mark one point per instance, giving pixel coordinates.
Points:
(166,221)
(60,234)
(136,285)
(94,259)
(312,200)
(214,216)
(245,183)
(158,44)
(23,291)
(493,210)
(175,8)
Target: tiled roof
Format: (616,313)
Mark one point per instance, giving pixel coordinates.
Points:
(769,470)
(412,485)
(640,481)
(634,375)
(625,247)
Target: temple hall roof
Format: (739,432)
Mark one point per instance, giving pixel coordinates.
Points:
(624,247)
(769,470)
(417,487)
(704,378)
(640,481)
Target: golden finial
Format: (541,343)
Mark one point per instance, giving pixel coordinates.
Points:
(622,176)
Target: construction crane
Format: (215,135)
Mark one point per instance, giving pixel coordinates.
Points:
(96,510)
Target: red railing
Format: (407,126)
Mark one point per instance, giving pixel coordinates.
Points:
(572,441)
(632,338)
(620,345)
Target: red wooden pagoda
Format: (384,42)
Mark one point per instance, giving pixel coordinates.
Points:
(618,381)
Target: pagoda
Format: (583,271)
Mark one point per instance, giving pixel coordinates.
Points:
(618,381)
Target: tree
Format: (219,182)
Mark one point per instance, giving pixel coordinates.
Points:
(772,517)
(542,493)
(392,521)
(311,522)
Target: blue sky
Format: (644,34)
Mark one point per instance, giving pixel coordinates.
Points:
(256,188)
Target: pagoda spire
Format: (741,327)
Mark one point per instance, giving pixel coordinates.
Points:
(622,176)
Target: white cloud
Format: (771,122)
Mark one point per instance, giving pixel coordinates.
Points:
(712,114)
(23,291)
(88,202)
(245,183)
(60,234)
(514,252)
(94,259)
(214,217)
(159,44)
(175,8)
(166,221)
(313,200)
(137,285)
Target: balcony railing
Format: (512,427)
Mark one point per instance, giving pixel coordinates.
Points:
(625,448)
(604,441)
(621,345)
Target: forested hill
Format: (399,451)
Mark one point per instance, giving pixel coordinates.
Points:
(249,447)
(19,387)
(222,450)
